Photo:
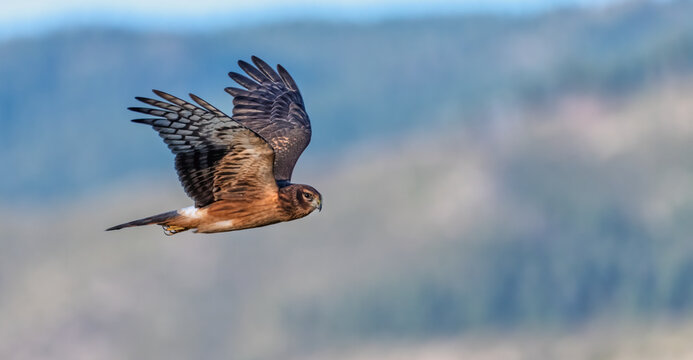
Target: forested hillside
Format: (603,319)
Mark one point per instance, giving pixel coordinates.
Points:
(63,95)
(494,187)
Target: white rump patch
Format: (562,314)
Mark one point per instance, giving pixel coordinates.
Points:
(190,211)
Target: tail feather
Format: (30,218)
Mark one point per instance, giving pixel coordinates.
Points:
(156,219)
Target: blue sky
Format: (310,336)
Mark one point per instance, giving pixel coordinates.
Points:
(22,17)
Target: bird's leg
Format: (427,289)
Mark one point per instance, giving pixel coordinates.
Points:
(172,229)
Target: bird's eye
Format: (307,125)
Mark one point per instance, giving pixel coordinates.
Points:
(308,196)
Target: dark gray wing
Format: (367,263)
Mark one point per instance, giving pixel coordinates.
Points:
(272,106)
(214,154)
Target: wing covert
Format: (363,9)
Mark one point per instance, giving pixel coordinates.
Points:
(216,157)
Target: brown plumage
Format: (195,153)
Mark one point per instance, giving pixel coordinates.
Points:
(237,169)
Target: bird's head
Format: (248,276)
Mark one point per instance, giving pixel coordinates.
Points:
(309,197)
(303,199)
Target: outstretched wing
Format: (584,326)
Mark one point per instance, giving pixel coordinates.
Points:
(272,106)
(216,157)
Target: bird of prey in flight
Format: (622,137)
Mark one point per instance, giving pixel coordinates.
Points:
(236,168)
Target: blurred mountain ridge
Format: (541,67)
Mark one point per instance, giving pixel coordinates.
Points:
(496,187)
(574,219)
(63,95)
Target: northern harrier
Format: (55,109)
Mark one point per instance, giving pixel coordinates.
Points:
(236,168)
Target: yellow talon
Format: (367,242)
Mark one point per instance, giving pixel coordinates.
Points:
(172,229)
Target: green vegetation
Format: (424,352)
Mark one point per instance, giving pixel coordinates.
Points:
(491,185)
(361,82)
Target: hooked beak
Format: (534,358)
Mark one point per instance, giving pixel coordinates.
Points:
(319,204)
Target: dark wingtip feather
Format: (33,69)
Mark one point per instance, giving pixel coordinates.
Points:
(265,68)
(253,72)
(244,64)
(233,91)
(143,99)
(243,81)
(207,106)
(160,93)
(143,121)
(197,99)
(173,99)
(142,110)
(286,78)
(259,62)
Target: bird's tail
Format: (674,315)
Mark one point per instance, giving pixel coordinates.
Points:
(160,219)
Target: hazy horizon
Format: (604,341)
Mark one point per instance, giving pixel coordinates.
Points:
(496,187)
(38,17)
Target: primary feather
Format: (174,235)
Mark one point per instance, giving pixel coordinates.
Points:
(272,106)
